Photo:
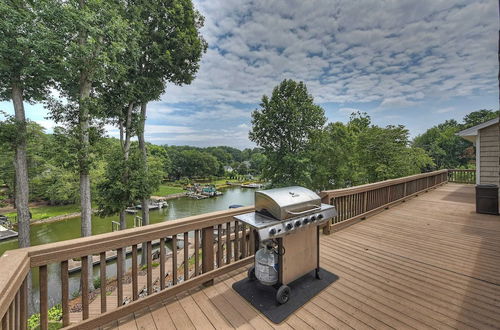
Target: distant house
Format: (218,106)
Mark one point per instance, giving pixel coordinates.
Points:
(228,169)
(486,138)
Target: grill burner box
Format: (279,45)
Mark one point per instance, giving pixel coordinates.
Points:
(287,222)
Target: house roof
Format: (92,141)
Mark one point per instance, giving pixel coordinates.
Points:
(471,132)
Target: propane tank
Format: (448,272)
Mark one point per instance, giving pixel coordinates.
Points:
(266,263)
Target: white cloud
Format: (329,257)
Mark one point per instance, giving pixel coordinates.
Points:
(346,51)
(445,110)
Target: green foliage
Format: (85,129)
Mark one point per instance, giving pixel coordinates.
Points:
(54,315)
(284,127)
(165,190)
(446,148)
(34,321)
(298,150)
(97,282)
(113,194)
(29,48)
(47,211)
(360,152)
(477,117)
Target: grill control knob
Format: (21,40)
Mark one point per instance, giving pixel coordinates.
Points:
(313,218)
(306,221)
(297,223)
(272,231)
(320,216)
(289,226)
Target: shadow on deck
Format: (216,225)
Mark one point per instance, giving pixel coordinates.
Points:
(430,262)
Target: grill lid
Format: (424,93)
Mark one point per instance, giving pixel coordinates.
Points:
(288,202)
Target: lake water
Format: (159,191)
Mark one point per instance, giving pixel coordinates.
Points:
(70,228)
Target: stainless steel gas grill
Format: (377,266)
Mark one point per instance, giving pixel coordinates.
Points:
(287,222)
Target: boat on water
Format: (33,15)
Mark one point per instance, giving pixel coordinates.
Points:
(6,231)
(153,205)
(252,185)
(199,192)
(210,191)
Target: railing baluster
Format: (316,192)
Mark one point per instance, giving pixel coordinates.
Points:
(162,263)
(16,316)
(65,292)
(236,241)
(243,240)
(12,322)
(5,321)
(44,319)
(197,252)
(228,243)
(85,287)
(102,277)
(135,283)
(149,260)
(24,304)
(220,252)
(252,241)
(119,276)
(186,256)
(174,259)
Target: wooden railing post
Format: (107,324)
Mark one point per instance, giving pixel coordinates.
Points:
(44,297)
(207,248)
(24,305)
(65,293)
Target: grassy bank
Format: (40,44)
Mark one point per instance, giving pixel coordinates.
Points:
(166,190)
(46,211)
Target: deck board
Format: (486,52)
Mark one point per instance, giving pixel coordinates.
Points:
(430,262)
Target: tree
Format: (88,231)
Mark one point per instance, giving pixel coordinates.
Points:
(283,127)
(171,48)
(27,49)
(257,162)
(26,72)
(94,34)
(477,117)
(446,148)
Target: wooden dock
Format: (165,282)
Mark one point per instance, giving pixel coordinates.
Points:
(428,263)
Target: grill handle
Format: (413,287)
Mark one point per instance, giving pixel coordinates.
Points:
(315,208)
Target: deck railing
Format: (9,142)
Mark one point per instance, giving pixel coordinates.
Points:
(219,244)
(356,203)
(462,176)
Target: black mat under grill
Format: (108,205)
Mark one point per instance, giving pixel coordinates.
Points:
(263,297)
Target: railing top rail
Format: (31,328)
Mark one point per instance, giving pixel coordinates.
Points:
(376,185)
(463,170)
(64,250)
(15,267)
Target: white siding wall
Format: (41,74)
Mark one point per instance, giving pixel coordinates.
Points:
(489,147)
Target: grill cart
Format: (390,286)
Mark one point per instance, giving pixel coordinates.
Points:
(287,222)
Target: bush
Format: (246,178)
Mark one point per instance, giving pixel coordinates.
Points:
(54,314)
(97,282)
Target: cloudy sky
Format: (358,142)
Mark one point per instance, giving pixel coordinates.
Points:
(407,62)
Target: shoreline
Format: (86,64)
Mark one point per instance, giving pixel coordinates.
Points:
(78,214)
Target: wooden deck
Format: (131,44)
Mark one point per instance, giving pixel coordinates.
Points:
(430,262)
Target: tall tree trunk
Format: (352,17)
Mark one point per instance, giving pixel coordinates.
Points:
(144,155)
(84,168)
(126,153)
(85,86)
(21,178)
